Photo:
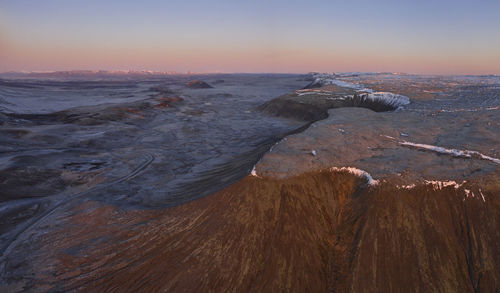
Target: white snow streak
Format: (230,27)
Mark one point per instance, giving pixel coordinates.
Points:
(409,186)
(452,152)
(482,195)
(442,184)
(357,172)
(254,173)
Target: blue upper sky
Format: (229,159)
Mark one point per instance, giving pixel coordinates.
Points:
(252,36)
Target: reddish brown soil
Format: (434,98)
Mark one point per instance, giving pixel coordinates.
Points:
(316,232)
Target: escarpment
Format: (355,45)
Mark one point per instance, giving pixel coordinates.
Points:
(312,104)
(319,231)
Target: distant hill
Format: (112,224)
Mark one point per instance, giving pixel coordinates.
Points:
(198,84)
(86,73)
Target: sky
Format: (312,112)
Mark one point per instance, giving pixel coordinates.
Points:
(430,37)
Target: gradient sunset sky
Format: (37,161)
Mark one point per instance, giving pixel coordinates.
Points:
(440,36)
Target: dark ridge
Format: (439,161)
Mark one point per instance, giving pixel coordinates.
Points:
(70,84)
(22,182)
(95,115)
(294,110)
(161,90)
(3,118)
(313,108)
(37,118)
(17,84)
(67,117)
(198,84)
(313,84)
(14,133)
(362,101)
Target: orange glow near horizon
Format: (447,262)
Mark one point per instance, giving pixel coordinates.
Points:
(51,37)
(237,60)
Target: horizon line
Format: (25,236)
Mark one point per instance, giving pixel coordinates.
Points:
(188,72)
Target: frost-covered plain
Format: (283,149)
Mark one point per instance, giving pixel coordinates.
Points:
(65,134)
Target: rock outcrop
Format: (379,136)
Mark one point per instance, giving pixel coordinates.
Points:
(312,104)
(198,84)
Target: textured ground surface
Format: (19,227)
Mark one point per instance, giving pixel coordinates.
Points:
(360,201)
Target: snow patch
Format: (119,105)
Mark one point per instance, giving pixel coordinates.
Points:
(323,79)
(408,187)
(452,152)
(482,195)
(438,185)
(320,93)
(468,193)
(469,110)
(388,136)
(254,173)
(357,172)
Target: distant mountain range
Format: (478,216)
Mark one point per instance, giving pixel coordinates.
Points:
(91,73)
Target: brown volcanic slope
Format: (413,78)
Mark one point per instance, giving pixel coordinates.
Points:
(319,231)
(297,225)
